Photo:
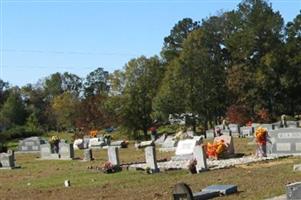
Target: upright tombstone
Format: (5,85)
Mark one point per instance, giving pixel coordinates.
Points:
(151,160)
(210,133)
(45,151)
(169,144)
(284,141)
(247,131)
(113,155)
(228,140)
(6,161)
(31,144)
(293,191)
(200,155)
(161,139)
(88,155)
(185,149)
(292,124)
(234,129)
(66,151)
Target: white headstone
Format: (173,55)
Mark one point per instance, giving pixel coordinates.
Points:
(150,157)
(200,156)
(113,155)
(185,147)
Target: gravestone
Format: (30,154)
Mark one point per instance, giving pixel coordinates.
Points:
(292,124)
(228,142)
(185,147)
(78,144)
(210,133)
(284,141)
(119,144)
(222,189)
(113,155)
(269,127)
(45,150)
(161,139)
(66,151)
(146,144)
(169,144)
(247,131)
(151,160)
(293,191)
(200,155)
(31,144)
(226,132)
(96,142)
(7,161)
(234,129)
(88,155)
(182,191)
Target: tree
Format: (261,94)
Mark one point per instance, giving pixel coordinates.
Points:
(291,74)
(254,48)
(13,111)
(96,83)
(143,76)
(3,91)
(72,83)
(173,44)
(64,108)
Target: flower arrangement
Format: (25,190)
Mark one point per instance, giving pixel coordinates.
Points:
(54,142)
(260,135)
(215,149)
(108,168)
(93,133)
(54,139)
(261,140)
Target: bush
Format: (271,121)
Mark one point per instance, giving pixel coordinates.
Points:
(19,132)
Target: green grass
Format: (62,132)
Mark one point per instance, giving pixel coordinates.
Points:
(44,179)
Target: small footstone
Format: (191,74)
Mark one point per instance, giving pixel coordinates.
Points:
(222,189)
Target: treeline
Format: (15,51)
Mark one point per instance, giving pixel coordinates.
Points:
(244,64)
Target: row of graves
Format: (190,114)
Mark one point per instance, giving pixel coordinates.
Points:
(236,130)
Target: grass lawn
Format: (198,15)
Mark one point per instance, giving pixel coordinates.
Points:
(44,179)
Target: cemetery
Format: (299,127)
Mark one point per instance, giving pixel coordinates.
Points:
(124,107)
(233,165)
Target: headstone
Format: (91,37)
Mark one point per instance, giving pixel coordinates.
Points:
(7,160)
(151,160)
(78,144)
(210,133)
(161,139)
(146,144)
(269,127)
(204,195)
(247,131)
(66,151)
(31,144)
(119,144)
(293,191)
(226,132)
(284,141)
(182,191)
(45,151)
(169,144)
(200,155)
(292,124)
(96,142)
(222,189)
(88,155)
(113,155)
(67,183)
(185,147)
(235,130)
(228,142)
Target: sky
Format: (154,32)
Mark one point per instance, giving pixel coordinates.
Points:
(41,37)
